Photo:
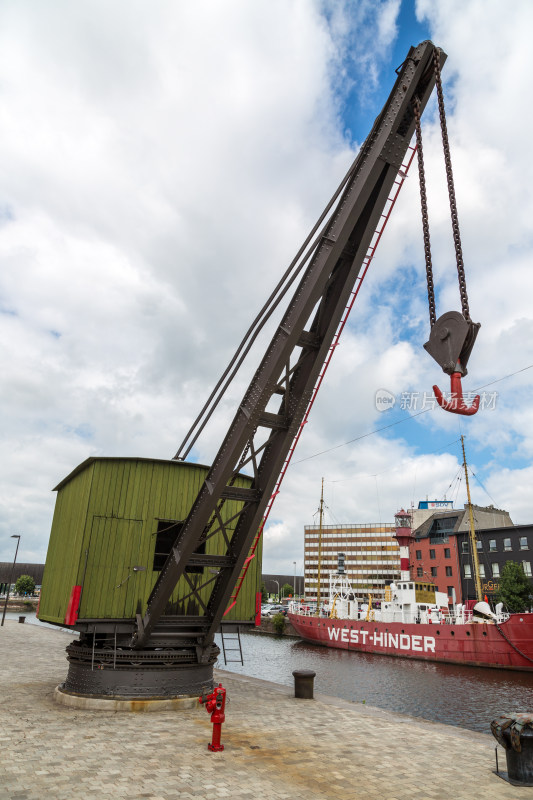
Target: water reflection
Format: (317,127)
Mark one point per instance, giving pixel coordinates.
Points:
(470,697)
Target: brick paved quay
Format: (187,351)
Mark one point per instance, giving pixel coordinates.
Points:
(276,746)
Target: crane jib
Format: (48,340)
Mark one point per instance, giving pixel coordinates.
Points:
(292,362)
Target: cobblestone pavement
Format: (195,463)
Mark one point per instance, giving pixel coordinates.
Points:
(275,746)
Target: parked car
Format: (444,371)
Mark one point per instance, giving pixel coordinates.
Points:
(271,611)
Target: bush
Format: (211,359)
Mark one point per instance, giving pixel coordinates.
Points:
(25,585)
(278,623)
(515,588)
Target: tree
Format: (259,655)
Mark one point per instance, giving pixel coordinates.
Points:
(286,590)
(278,623)
(264,593)
(25,585)
(515,588)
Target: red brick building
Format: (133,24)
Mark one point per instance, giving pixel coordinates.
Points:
(438,562)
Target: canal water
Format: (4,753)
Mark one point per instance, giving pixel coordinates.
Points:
(469,697)
(30,617)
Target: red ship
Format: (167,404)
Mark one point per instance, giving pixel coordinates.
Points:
(421,630)
(415,621)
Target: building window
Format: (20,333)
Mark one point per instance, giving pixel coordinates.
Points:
(433,572)
(507,544)
(481,570)
(492,545)
(432,554)
(523,543)
(419,572)
(419,555)
(468,571)
(440,529)
(527,568)
(450,591)
(479,544)
(448,572)
(446,552)
(495,570)
(464,547)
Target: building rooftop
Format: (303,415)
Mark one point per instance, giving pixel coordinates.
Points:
(457,520)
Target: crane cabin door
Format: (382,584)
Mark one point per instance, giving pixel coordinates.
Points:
(111,587)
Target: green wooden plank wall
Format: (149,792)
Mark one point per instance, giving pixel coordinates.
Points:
(105,523)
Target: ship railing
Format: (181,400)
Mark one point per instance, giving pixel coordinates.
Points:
(503,617)
(304,609)
(456,619)
(468,616)
(453,619)
(389,615)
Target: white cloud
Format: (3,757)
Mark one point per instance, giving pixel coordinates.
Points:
(161,165)
(486,88)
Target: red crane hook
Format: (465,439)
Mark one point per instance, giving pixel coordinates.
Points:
(457,404)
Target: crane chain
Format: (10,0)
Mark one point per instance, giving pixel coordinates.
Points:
(451,190)
(451,195)
(425,216)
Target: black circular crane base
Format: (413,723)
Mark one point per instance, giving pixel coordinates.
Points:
(128,674)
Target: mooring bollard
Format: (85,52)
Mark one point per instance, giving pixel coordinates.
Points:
(303,683)
(515,734)
(22,619)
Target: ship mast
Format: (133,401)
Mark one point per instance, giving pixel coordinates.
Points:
(319,549)
(473,540)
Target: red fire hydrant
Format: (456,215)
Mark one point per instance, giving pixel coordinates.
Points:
(215,704)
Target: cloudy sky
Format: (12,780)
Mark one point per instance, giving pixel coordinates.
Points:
(161,163)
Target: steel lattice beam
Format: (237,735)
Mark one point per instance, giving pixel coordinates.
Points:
(293,360)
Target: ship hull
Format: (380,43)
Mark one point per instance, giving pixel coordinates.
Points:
(505,646)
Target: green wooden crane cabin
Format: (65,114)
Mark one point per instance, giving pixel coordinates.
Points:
(114,524)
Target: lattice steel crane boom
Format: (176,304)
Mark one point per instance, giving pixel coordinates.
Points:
(271,411)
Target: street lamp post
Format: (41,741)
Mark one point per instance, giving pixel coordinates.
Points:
(17,537)
(294,590)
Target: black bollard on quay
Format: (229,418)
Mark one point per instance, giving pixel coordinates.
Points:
(515,734)
(22,619)
(303,683)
